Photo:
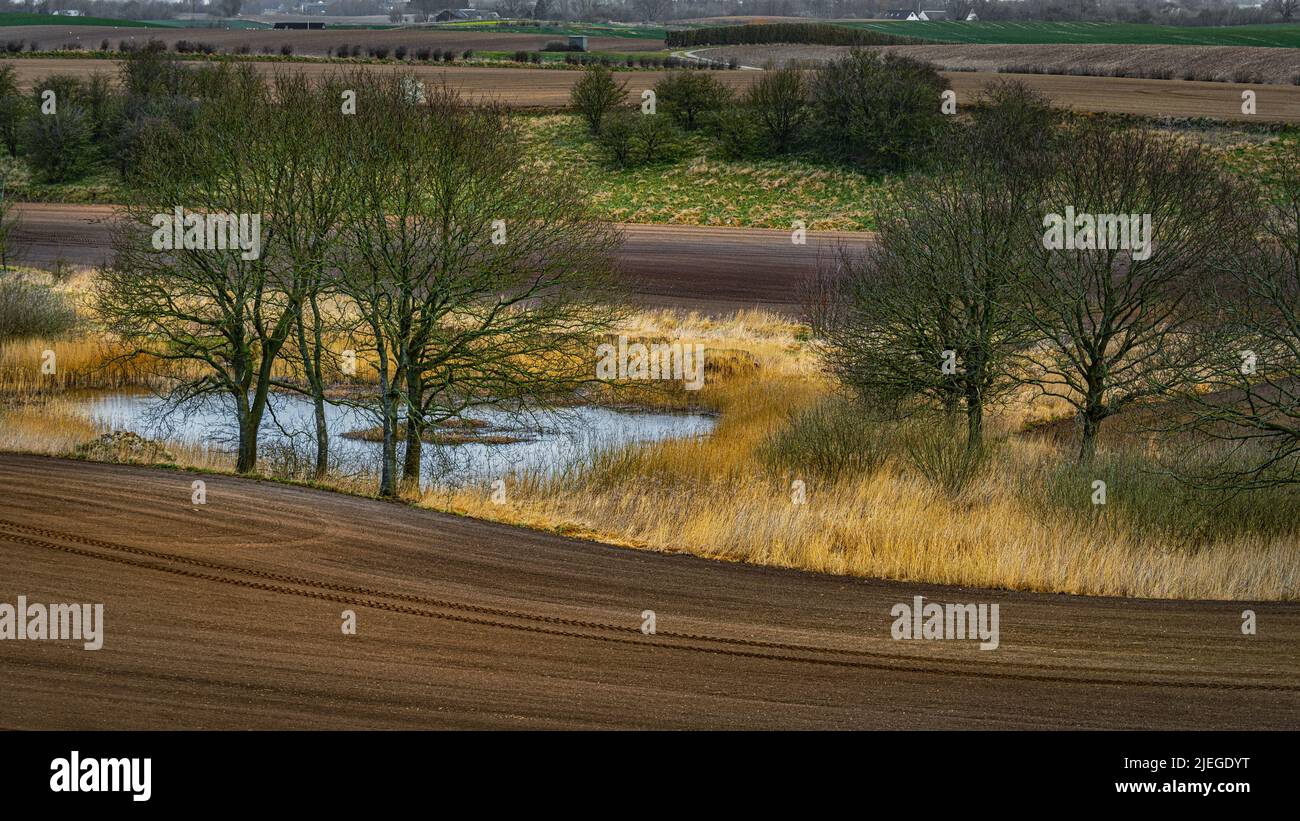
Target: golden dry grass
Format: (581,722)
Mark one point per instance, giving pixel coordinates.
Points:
(713,497)
(716,496)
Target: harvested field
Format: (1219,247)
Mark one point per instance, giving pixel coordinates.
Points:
(519,87)
(1207,63)
(543,88)
(313,43)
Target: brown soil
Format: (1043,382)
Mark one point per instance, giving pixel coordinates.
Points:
(1209,63)
(549,88)
(227,615)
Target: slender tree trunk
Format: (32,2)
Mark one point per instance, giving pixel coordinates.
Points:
(974,401)
(311,366)
(414,432)
(322,438)
(974,425)
(388,470)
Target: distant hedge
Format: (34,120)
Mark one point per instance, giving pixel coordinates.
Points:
(820,34)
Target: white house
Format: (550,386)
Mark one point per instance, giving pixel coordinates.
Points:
(925,16)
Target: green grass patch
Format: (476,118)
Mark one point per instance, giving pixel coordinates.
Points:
(222,23)
(101,185)
(701,189)
(27,19)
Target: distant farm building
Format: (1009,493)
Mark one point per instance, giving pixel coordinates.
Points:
(577,42)
(924,16)
(302,25)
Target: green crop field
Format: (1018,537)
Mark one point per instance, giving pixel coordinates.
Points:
(25,19)
(215,23)
(1280,35)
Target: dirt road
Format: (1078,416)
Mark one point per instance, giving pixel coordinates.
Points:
(228,615)
(712,269)
(549,88)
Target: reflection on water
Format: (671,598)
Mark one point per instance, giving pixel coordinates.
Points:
(550,441)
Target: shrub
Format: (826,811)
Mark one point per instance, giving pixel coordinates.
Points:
(615,136)
(286,49)
(58,145)
(595,95)
(881,112)
(835,438)
(12,104)
(521,56)
(468,54)
(938,450)
(686,96)
(735,131)
(423,54)
(400,52)
(631,139)
(28,309)
(778,102)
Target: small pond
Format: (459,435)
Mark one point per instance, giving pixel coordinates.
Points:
(545,442)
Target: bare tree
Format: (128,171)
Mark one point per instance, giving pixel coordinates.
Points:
(778,101)
(596,94)
(652,11)
(1285,9)
(312,154)
(219,316)
(1248,393)
(1137,221)
(929,315)
(481,282)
